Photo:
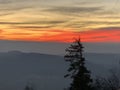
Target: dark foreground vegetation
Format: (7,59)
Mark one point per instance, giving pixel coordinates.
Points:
(34,71)
(81,76)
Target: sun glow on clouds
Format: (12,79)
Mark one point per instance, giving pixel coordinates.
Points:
(67,36)
(60,20)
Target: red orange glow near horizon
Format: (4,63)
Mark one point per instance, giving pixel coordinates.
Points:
(60,20)
(66,36)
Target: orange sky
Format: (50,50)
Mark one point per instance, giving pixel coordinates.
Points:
(67,36)
(60,20)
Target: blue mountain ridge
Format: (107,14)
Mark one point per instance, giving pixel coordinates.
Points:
(46,72)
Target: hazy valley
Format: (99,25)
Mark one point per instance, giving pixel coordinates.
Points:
(46,72)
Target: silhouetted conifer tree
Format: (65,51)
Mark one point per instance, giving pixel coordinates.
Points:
(77,70)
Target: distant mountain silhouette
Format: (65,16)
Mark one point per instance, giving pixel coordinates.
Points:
(45,72)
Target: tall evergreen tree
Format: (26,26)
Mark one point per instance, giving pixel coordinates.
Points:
(81,79)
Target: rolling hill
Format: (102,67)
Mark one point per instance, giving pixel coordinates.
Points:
(45,72)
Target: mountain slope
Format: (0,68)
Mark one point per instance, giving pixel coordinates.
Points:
(45,72)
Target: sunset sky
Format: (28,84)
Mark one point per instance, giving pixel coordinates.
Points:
(60,20)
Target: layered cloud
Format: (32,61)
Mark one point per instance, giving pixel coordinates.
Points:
(60,20)
(72,9)
(102,35)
